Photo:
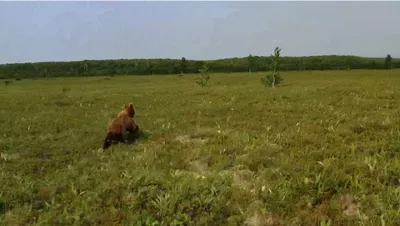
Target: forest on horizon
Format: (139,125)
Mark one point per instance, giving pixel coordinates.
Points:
(184,66)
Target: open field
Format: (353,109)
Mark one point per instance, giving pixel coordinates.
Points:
(323,148)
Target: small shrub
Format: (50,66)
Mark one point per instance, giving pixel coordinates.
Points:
(66,90)
(17,79)
(7,82)
(268,80)
(202,80)
(274,78)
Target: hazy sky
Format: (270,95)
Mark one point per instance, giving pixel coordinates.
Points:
(63,31)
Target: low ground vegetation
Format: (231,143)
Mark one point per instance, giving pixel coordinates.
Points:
(320,149)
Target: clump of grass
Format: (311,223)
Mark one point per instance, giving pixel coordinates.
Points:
(66,90)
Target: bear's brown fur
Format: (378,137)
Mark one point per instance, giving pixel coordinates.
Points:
(124,122)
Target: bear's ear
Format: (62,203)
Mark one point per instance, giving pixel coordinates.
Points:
(131,105)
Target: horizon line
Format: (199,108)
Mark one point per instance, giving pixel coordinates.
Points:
(166,58)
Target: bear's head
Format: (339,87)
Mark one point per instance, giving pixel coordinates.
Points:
(130,110)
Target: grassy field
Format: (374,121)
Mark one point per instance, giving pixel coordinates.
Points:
(322,149)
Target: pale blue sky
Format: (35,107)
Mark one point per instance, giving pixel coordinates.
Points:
(64,31)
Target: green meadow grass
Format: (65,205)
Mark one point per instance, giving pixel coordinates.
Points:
(322,149)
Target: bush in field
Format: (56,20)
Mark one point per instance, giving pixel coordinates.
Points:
(204,76)
(273,78)
(7,82)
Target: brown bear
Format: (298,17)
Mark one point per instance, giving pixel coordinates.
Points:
(124,122)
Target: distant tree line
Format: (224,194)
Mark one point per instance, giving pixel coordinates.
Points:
(184,66)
